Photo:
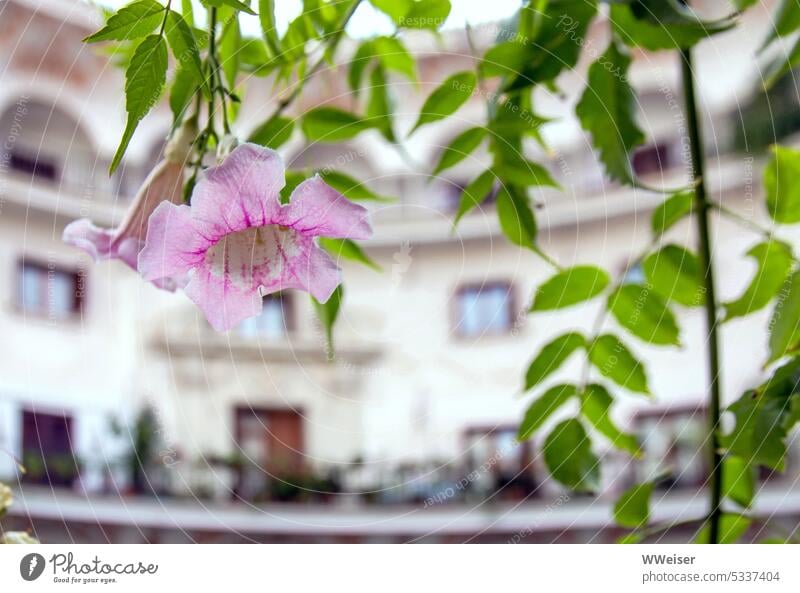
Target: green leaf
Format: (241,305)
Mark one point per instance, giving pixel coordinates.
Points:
(738,480)
(731,528)
(461,146)
(475,193)
(133,21)
(774,261)
(662,24)
(447,98)
(273,133)
(327,313)
(607,111)
(254,57)
(675,273)
(415,14)
(785,323)
(568,455)
(643,313)
(630,538)
(394,9)
(514,117)
(670,211)
(781,64)
(507,58)
(517,220)
(551,357)
(299,32)
(613,359)
(785,22)
(187,10)
(144,80)
(782,185)
(632,509)
(235,4)
(358,64)
(544,407)
(229,44)
(426,14)
(184,85)
(596,404)
(569,287)
(379,112)
(350,188)
(759,434)
(266,17)
(347,249)
(554,43)
(394,56)
(511,166)
(183,44)
(328,124)
(784,382)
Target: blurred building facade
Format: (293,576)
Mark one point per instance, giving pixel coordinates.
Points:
(408,434)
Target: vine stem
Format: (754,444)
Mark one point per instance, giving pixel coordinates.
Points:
(491,104)
(329,47)
(707,264)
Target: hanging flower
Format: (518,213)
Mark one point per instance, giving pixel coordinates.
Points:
(164,183)
(238,242)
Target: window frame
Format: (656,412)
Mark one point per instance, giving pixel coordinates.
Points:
(78,274)
(289,318)
(456,322)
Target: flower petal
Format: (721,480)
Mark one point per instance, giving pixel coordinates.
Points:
(240,193)
(309,269)
(95,241)
(173,246)
(224,304)
(316,209)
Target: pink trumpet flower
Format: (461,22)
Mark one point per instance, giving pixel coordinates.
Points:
(164,183)
(238,242)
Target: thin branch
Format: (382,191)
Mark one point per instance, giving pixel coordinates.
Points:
(707,265)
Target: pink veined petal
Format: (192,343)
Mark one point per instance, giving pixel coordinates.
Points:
(223,304)
(95,241)
(316,209)
(172,247)
(310,269)
(242,192)
(128,250)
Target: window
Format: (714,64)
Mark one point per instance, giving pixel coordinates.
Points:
(654,159)
(673,445)
(270,443)
(37,166)
(48,290)
(499,463)
(274,321)
(47,448)
(484,309)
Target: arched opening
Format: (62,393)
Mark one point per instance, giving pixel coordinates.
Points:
(42,142)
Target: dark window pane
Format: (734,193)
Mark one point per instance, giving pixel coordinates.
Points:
(47,448)
(35,166)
